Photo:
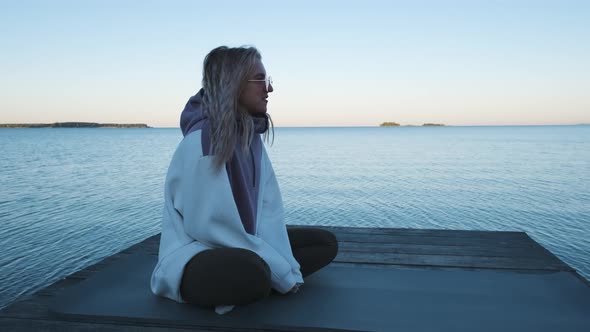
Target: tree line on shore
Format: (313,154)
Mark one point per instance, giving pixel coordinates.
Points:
(73,125)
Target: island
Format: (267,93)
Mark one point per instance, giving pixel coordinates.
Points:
(389,124)
(74,125)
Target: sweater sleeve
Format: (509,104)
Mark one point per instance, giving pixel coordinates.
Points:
(204,199)
(272,220)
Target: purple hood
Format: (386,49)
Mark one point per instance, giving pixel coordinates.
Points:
(192,116)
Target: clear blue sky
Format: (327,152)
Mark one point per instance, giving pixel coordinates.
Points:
(334,63)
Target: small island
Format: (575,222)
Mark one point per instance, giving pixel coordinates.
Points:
(395,124)
(389,124)
(74,125)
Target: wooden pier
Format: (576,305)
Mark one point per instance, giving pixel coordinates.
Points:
(402,249)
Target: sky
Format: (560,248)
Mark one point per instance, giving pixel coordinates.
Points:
(333,63)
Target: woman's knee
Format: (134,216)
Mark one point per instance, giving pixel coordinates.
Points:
(329,241)
(307,236)
(225,276)
(332,244)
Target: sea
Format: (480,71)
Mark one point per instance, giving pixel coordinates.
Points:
(71,197)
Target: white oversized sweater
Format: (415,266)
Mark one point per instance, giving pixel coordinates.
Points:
(200,213)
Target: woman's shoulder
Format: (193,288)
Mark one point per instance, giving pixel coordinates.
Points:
(190,146)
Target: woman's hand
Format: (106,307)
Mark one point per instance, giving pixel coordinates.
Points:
(295,288)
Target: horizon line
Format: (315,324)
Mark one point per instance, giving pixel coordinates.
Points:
(323,126)
(377,126)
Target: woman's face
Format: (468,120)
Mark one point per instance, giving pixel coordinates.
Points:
(254,96)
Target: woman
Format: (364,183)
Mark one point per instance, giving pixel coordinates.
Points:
(224,240)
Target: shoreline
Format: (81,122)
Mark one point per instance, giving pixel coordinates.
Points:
(143,125)
(407,126)
(74,125)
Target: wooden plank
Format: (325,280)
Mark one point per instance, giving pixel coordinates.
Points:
(427,249)
(422,232)
(434,240)
(450,261)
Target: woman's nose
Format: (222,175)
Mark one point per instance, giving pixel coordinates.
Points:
(270,88)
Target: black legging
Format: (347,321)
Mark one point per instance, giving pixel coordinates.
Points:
(226,276)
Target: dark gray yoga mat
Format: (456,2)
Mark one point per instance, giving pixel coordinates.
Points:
(367,298)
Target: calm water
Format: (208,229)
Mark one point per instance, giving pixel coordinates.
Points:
(71,197)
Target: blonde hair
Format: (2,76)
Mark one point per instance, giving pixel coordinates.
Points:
(225,73)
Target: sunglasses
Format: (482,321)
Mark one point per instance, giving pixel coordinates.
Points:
(267,81)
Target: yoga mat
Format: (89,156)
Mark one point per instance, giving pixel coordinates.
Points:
(347,297)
